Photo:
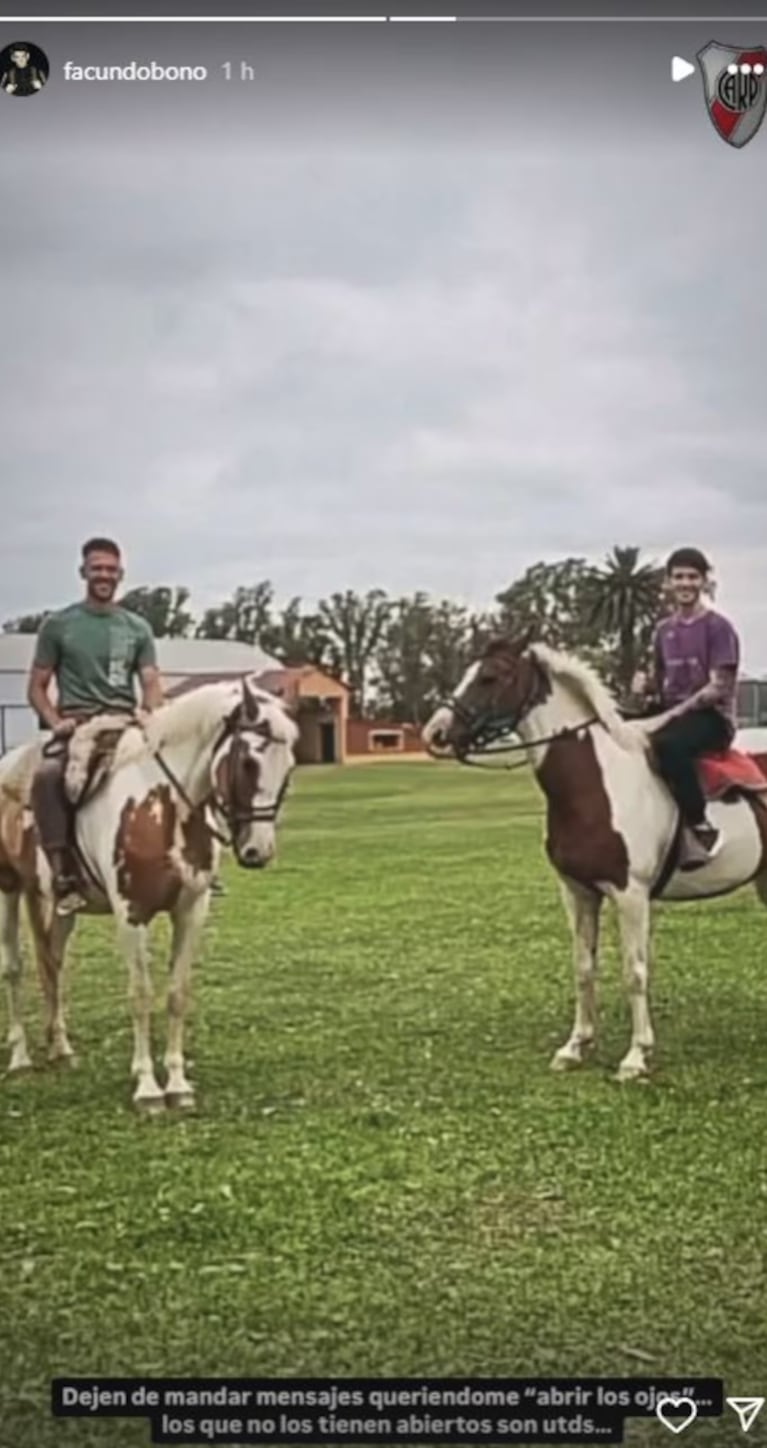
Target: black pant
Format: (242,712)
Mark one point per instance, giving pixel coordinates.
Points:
(51,808)
(677,746)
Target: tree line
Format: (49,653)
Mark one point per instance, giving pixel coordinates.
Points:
(401,656)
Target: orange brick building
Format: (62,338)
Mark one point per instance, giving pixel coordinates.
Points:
(371,739)
(320,706)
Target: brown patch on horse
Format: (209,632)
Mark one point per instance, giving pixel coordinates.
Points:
(522,683)
(9,875)
(507,684)
(222,776)
(237,772)
(581,841)
(18,848)
(197,848)
(146,876)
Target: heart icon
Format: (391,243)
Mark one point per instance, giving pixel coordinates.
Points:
(677,1407)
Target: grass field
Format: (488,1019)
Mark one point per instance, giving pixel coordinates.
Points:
(383,1176)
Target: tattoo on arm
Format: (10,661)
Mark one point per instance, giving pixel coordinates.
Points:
(714,692)
(37,695)
(721,682)
(151,687)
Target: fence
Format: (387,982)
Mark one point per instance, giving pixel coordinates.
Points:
(18,723)
(752,703)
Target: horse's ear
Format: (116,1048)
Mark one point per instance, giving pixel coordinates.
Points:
(288,704)
(523,640)
(249,702)
(510,644)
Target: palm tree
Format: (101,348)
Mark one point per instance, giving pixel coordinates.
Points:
(626,603)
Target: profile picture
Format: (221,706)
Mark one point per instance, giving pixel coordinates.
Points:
(24,68)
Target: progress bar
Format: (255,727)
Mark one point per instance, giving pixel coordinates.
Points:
(383,19)
(195,19)
(226,19)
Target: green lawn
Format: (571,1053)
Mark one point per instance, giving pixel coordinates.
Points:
(384,1177)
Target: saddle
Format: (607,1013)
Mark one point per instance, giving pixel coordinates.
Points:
(722,775)
(90,755)
(730,772)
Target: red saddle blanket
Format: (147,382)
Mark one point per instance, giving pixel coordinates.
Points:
(730,770)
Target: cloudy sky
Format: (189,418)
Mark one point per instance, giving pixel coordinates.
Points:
(412,312)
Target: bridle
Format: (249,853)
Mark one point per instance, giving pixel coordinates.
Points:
(257,813)
(233,728)
(486,730)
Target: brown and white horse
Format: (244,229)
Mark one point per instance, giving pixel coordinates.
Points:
(613,829)
(146,846)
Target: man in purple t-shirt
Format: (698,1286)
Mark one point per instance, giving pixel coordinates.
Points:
(696,655)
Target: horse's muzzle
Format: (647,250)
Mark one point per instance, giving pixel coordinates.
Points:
(437,734)
(252,860)
(439,746)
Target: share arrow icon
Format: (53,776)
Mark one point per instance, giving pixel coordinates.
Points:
(747,1409)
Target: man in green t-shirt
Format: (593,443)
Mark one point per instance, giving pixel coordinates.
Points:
(95,651)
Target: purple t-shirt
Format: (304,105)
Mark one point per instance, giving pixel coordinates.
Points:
(686,650)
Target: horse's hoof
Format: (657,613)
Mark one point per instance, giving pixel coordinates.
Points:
(21,1067)
(567,1059)
(180,1100)
(64,1062)
(561,1063)
(150,1105)
(625,1074)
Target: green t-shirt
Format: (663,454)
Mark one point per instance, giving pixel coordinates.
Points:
(95,656)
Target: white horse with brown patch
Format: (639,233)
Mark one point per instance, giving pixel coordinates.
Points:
(613,829)
(146,846)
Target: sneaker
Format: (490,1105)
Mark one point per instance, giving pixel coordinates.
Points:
(70,902)
(69,898)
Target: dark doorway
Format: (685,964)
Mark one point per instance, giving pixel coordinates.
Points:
(328,743)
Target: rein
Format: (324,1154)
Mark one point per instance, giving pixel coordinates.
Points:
(257,814)
(484,731)
(175,782)
(564,733)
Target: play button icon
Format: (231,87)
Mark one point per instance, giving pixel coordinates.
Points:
(681,68)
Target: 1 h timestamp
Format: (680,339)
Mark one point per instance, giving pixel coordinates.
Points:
(240,70)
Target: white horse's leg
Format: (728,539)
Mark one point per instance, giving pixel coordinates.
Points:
(134,944)
(633,906)
(188,920)
(12,965)
(582,908)
(50,934)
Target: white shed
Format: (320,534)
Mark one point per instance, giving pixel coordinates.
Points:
(178,659)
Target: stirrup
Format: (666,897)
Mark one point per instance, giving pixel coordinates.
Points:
(694,853)
(68,899)
(715,847)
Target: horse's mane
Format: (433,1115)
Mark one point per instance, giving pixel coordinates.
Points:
(585,684)
(197,715)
